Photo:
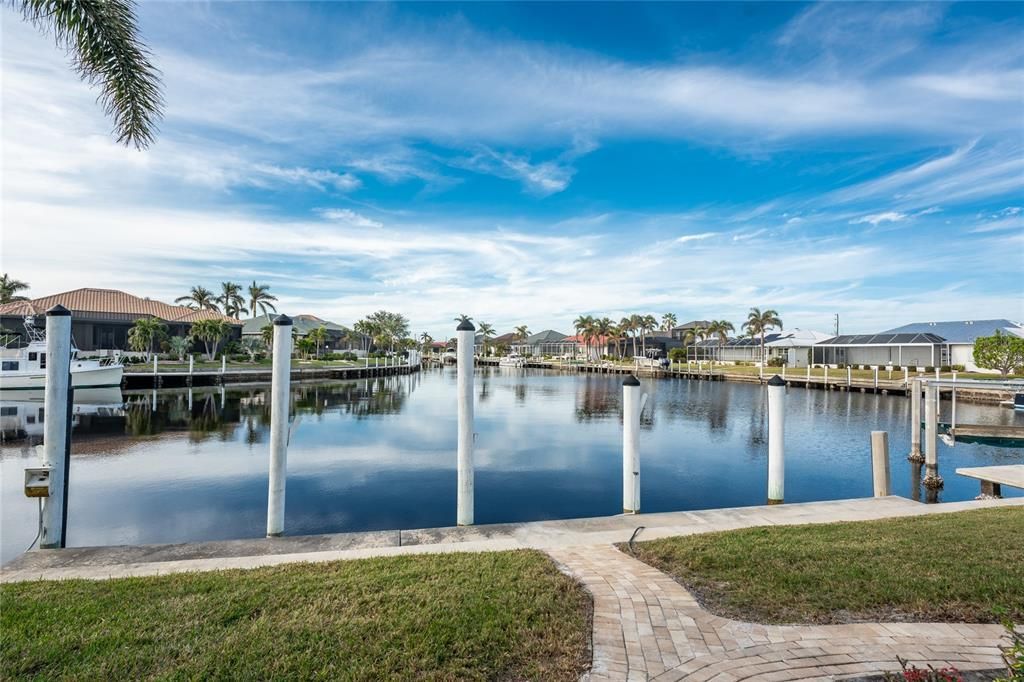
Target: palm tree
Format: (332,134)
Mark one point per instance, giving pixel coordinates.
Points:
(425,341)
(648,324)
(521,333)
(103,40)
(318,336)
(267,335)
(583,326)
(144,332)
(630,325)
(199,298)
(9,289)
(486,331)
(668,322)
(210,332)
(463,318)
(603,329)
(260,298)
(721,329)
(758,322)
(231,299)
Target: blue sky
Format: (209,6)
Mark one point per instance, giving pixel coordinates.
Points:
(527,163)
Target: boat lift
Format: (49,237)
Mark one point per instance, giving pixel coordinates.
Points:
(1016,387)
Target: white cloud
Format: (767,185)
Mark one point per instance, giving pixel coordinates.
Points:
(347,215)
(878,218)
(694,237)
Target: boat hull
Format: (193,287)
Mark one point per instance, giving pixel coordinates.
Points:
(99,377)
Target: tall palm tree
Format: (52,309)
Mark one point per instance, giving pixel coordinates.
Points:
(260,298)
(668,322)
(486,331)
(649,324)
(231,299)
(463,318)
(584,325)
(103,38)
(9,289)
(521,333)
(759,322)
(425,341)
(721,329)
(199,298)
(603,329)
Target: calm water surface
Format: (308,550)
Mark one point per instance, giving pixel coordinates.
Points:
(380,454)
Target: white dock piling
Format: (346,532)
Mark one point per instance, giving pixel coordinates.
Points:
(876,376)
(915,422)
(932,479)
(55,426)
(880,463)
(223,363)
(776,440)
(191,363)
(849,376)
(154,364)
(808,376)
(631,406)
(280,392)
(906,376)
(465,334)
(937,373)
(826,376)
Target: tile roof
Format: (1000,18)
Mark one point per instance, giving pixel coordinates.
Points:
(304,324)
(546,336)
(111,302)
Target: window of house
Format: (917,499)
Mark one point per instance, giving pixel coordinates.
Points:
(30,419)
(33,357)
(42,360)
(8,411)
(10,366)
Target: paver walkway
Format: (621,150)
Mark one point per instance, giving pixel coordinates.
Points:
(648,627)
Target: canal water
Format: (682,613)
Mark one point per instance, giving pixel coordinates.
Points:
(167,466)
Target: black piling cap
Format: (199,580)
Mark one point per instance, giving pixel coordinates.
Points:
(776,381)
(631,381)
(283,320)
(58,311)
(465,326)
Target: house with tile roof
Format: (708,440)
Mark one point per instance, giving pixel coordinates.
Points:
(101,318)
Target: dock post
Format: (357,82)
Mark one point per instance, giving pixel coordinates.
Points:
(808,376)
(280,392)
(154,364)
(191,363)
(880,463)
(826,376)
(937,373)
(465,333)
(932,480)
(223,363)
(876,377)
(849,377)
(56,429)
(776,439)
(631,406)
(760,370)
(915,422)
(906,376)
(952,418)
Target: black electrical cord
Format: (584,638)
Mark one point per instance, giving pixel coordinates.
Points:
(633,537)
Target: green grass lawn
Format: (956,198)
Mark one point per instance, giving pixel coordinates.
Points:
(506,616)
(960,567)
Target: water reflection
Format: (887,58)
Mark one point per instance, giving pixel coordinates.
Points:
(380,453)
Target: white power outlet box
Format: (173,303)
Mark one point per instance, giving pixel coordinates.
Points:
(37,481)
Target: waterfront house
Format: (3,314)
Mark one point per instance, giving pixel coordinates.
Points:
(679,331)
(547,342)
(920,344)
(101,318)
(339,337)
(793,347)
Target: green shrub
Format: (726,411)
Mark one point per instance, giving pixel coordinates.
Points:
(677,355)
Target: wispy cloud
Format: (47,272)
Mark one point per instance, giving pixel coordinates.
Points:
(878,218)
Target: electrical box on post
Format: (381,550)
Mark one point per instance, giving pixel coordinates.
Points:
(37,481)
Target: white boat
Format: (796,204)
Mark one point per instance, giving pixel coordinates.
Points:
(512,360)
(24,368)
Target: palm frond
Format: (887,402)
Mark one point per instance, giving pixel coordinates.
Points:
(102,36)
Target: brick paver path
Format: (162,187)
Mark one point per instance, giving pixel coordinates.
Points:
(648,627)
